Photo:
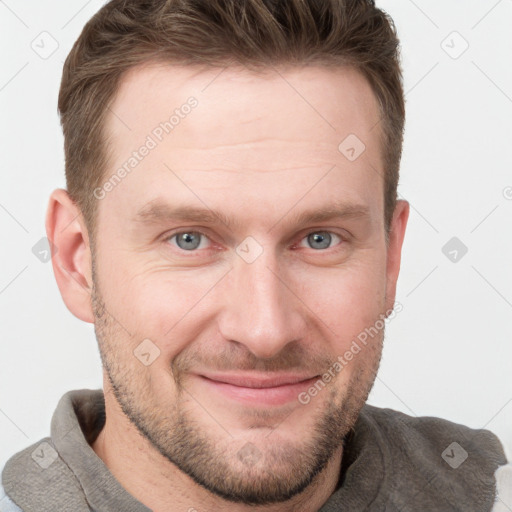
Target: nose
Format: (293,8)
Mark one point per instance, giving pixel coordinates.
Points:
(260,309)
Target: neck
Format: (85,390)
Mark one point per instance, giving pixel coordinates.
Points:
(158,484)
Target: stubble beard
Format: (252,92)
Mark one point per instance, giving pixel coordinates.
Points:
(264,470)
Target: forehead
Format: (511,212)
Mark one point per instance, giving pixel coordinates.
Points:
(246,132)
(330,101)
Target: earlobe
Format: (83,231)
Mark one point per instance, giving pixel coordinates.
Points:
(394,251)
(71,256)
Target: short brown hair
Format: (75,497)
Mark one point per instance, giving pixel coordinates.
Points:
(219,33)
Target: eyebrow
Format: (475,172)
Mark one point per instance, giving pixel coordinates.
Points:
(157,211)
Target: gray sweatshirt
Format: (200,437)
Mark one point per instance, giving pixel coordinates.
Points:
(391,462)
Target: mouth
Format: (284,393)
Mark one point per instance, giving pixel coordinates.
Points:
(258,389)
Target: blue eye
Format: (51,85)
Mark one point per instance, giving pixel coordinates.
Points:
(193,240)
(321,239)
(189,240)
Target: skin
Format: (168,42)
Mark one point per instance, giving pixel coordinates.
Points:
(254,150)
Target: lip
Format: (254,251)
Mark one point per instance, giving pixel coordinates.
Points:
(258,389)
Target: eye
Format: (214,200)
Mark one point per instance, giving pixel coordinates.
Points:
(321,239)
(189,240)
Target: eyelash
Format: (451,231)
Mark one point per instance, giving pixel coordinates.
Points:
(168,238)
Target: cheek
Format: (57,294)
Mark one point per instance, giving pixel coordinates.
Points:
(172,308)
(168,307)
(347,300)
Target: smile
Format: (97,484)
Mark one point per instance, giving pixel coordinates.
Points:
(263,390)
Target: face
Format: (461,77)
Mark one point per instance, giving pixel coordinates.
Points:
(236,260)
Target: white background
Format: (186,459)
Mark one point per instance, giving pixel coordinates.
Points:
(447,354)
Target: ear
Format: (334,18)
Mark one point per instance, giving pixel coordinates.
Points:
(71,254)
(394,250)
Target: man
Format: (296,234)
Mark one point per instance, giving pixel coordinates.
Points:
(231,228)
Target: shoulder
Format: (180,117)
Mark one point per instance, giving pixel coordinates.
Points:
(443,457)
(6,504)
(428,435)
(38,478)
